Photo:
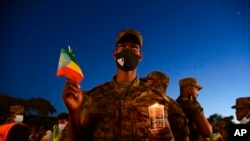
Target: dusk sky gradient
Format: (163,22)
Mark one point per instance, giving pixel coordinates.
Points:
(206,39)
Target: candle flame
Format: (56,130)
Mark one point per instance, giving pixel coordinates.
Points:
(155,105)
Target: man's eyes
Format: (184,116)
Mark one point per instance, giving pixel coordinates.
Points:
(129,46)
(134,47)
(121,46)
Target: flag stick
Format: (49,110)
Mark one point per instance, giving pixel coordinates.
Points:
(69,48)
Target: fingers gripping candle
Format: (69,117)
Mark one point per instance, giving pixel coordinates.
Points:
(156,115)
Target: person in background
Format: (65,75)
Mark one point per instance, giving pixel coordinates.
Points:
(62,122)
(57,132)
(34,135)
(242,110)
(16,114)
(14,129)
(199,126)
(221,127)
(47,136)
(159,81)
(116,110)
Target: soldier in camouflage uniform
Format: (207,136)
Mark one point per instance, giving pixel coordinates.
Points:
(116,110)
(159,81)
(199,126)
(243,110)
(14,129)
(16,114)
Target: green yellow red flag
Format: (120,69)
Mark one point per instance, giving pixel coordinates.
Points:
(68,66)
(215,137)
(56,134)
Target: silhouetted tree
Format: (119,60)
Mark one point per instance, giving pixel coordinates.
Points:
(37,106)
(214,118)
(41,106)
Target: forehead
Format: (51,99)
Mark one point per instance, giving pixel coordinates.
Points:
(129,43)
(61,120)
(194,87)
(129,38)
(242,108)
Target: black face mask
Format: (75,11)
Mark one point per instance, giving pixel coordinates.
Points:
(127,60)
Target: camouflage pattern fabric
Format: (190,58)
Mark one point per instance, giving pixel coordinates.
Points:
(191,108)
(125,32)
(120,113)
(242,102)
(17,109)
(189,82)
(178,120)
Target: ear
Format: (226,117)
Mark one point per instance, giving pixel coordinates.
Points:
(140,56)
(158,82)
(114,54)
(190,90)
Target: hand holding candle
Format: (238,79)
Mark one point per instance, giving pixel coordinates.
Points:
(157,116)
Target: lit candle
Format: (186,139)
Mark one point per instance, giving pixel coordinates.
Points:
(156,115)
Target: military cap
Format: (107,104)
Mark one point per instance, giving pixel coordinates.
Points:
(242,102)
(157,75)
(17,109)
(129,34)
(189,82)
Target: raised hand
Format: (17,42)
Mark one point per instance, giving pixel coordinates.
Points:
(72,96)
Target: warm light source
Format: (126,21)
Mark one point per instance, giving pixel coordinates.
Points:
(156,115)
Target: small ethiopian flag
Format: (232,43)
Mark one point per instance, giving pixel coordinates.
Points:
(68,66)
(216,137)
(56,134)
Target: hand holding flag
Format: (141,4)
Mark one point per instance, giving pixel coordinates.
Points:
(68,66)
(215,137)
(56,133)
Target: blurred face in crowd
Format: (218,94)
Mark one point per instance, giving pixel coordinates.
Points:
(242,112)
(135,48)
(195,92)
(62,123)
(127,55)
(190,91)
(18,118)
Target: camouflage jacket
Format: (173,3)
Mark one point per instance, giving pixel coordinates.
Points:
(191,108)
(119,114)
(178,120)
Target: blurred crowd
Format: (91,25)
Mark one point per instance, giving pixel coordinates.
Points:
(15,129)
